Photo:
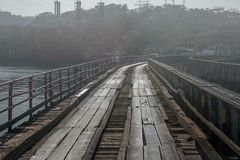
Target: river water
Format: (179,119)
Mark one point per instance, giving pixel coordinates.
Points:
(10,73)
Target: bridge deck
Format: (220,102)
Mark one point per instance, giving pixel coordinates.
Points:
(71,139)
(147,137)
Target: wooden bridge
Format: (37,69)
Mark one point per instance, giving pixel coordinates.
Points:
(123,108)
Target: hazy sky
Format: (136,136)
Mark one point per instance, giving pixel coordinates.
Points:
(33,7)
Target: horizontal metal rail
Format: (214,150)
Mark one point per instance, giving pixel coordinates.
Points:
(214,62)
(22,97)
(180,84)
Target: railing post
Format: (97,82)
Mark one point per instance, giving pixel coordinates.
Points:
(30,94)
(99,68)
(75,78)
(46,89)
(85,74)
(50,87)
(60,83)
(69,83)
(10,104)
(81,75)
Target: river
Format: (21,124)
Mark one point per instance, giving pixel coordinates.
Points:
(10,73)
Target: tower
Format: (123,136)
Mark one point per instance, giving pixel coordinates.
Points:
(57,7)
(166,2)
(101,7)
(184,3)
(142,4)
(173,2)
(78,5)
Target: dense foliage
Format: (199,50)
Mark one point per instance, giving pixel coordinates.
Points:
(98,32)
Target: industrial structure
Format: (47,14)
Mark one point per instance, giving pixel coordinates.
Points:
(57,7)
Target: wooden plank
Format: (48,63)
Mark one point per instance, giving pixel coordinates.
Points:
(181,155)
(96,120)
(127,127)
(64,147)
(136,102)
(145,110)
(136,116)
(135,153)
(141,83)
(150,92)
(79,114)
(164,134)
(169,152)
(135,83)
(98,92)
(135,92)
(151,135)
(52,142)
(93,144)
(105,92)
(157,116)
(142,92)
(152,101)
(122,153)
(152,153)
(136,135)
(150,83)
(81,145)
(112,93)
(165,117)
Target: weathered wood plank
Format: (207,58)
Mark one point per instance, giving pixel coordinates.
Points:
(122,153)
(100,113)
(136,116)
(142,92)
(95,139)
(165,117)
(79,114)
(112,93)
(105,92)
(61,151)
(127,127)
(157,116)
(98,92)
(145,110)
(152,101)
(135,83)
(136,102)
(164,134)
(135,92)
(151,135)
(152,153)
(135,153)
(136,135)
(169,152)
(81,145)
(46,149)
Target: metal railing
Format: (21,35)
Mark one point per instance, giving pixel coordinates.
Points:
(215,107)
(23,97)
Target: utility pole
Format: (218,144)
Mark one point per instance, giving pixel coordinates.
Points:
(57,7)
